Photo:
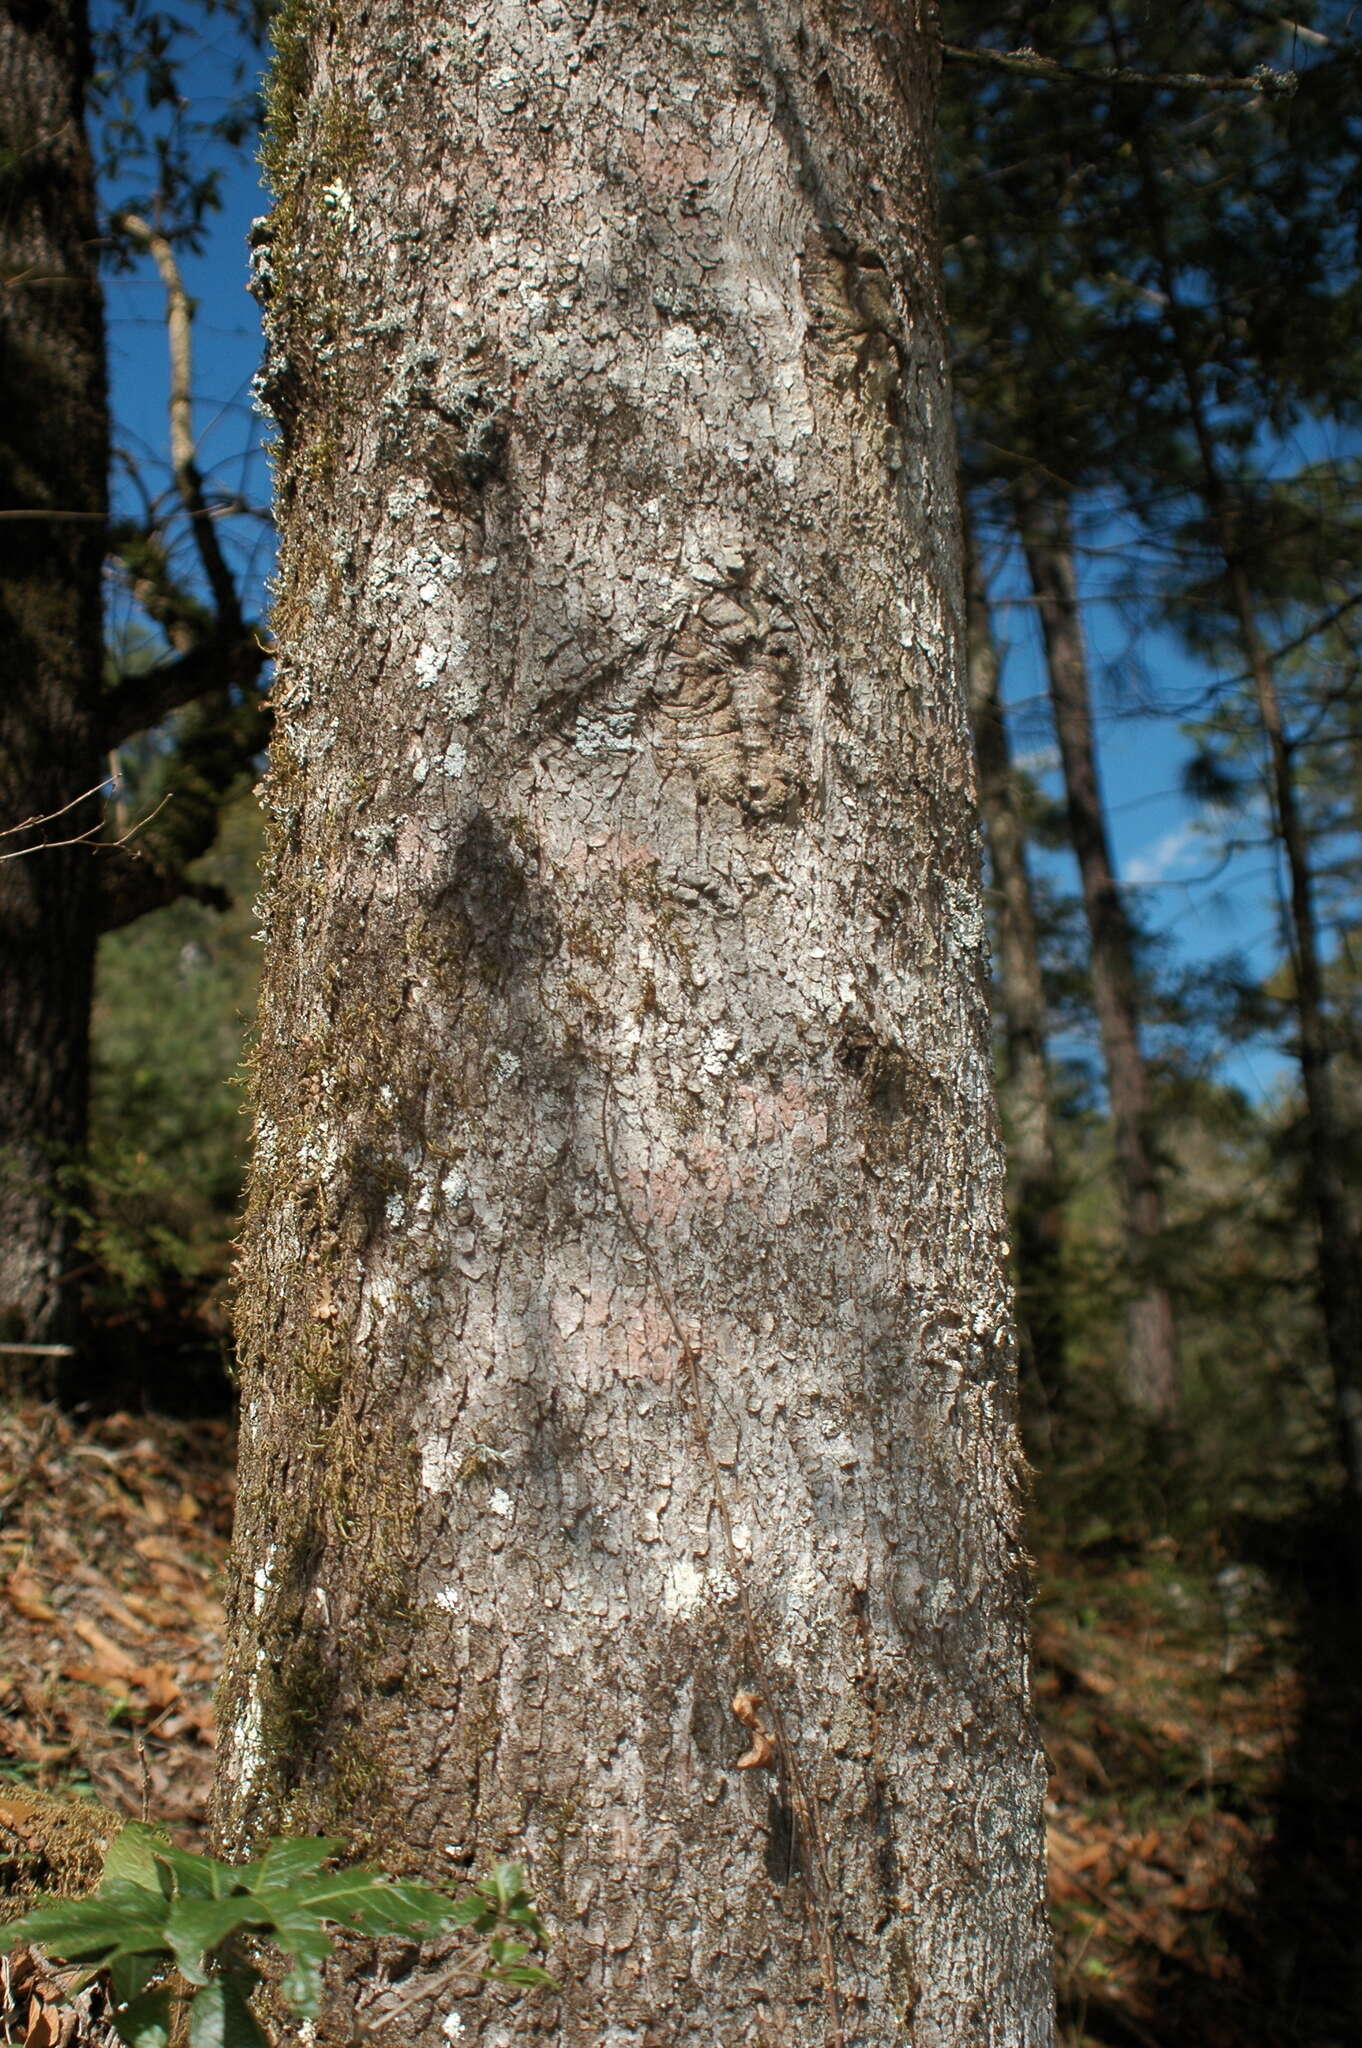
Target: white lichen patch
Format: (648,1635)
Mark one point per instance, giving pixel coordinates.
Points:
(338,201)
(683,1587)
(260,1581)
(404,499)
(248,1750)
(965,915)
(438,1466)
(319,1153)
(430,663)
(719,1046)
(376,838)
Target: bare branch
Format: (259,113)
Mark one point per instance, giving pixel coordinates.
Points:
(40,512)
(1265,82)
(188,478)
(92,838)
(1292,646)
(47,817)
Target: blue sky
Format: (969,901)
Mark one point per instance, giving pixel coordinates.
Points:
(1197,904)
(226,331)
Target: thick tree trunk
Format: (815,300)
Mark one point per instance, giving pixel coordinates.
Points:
(53,468)
(1150,1378)
(623,1324)
(1019,993)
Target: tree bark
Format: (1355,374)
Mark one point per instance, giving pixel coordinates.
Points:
(53,469)
(1151,1376)
(1019,992)
(623,1324)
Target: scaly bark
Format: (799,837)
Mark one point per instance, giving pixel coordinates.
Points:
(1150,1378)
(1019,990)
(623,1325)
(53,467)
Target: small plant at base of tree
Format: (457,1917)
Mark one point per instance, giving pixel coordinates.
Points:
(169,1928)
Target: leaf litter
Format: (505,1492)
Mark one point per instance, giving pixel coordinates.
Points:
(1167,1725)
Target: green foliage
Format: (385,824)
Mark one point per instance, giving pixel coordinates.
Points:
(164,1919)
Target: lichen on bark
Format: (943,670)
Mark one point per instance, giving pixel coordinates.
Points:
(623,1325)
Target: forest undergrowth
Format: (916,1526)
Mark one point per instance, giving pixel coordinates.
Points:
(1205,1809)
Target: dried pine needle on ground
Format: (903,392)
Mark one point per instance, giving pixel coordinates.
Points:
(1179,1699)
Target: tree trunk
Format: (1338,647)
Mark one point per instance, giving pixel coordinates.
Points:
(623,1324)
(1019,991)
(1338,1240)
(1339,1268)
(1151,1363)
(1340,1251)
(53,469)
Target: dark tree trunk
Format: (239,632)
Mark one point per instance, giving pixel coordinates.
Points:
(53,468)
(1019,994)
(1150,1378)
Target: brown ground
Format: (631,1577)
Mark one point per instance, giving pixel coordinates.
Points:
(1201,1868)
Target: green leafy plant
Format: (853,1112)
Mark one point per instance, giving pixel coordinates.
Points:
(172,1927)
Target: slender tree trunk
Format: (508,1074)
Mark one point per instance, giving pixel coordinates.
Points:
(1340,1244)
(1151,1364)
(1340,1251)
(623,1323)
(53,468)
(1027,1101)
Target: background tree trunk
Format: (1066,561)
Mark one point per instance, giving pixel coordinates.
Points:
(1338,1274)
(1151,1376)
(623,1322)
(1019,991)
(53,466)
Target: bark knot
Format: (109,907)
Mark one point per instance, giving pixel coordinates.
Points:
(727,690)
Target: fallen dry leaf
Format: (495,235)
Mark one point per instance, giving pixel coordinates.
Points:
(25,1595)
(111,1661)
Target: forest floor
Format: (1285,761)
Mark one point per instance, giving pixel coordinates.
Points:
(1205,1805)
